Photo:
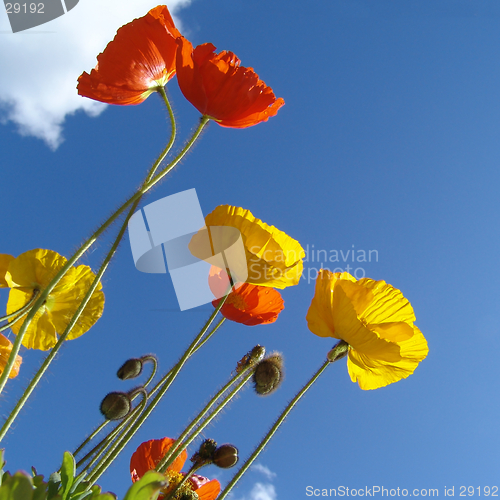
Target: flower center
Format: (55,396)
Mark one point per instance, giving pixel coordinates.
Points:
(184,492)
(237,301)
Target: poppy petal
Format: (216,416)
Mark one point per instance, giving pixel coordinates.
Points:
(220,88)
(136,62)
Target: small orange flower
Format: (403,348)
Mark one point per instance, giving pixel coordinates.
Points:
(218,87)
(139,60)
(149,454)
(5,350)
(248,304)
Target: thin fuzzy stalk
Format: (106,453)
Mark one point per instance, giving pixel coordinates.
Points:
(181,442)
(152,392)
(135,198)
(108,457)
(166,382)
(20,312)
(341,346)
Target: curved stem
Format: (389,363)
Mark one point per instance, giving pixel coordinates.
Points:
(165,384)
(153,391)
(135,198)
(113,450)
(154,361)
(99,447)
(341,347)
(22,311)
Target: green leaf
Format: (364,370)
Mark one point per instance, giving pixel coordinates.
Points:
(68,469)
(93,494)
(148,487)
(54,483)
(41,486)
(17,487)
(2,464)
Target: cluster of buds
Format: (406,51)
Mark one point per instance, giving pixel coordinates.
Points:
(224,456)
(118,405)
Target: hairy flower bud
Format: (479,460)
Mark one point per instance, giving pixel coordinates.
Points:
(338,351)
(268,374)
(130,369)
(207,449)
(251,358)
(226,456)
(116,405)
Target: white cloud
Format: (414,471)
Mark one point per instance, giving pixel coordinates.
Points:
(264,470)
(261,492)
(40,66)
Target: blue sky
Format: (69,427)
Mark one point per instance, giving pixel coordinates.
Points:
(388,141)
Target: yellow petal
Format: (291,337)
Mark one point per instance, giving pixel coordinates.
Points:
(41,333)
(372,373)
(375,320)
(274,259)
(34,269)
(69,292)
(333,311)
(5,260)
(388,305)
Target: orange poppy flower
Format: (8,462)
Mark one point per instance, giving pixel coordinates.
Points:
(218,87)
(149,454)
(248,304)
(139,60)
(5,350)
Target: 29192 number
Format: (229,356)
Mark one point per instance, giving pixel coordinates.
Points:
(471,491)
(25,8)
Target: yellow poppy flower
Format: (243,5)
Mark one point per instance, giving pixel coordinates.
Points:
(5,260)
(375,320)
(34,270)
(273,258)
(5,349)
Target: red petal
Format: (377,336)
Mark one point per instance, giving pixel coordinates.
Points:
(140,57)
(149,453)
(220,88)
(209,491)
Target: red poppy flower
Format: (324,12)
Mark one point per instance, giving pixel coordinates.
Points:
(140,59)
(218,87)
(248,304)
(149,454)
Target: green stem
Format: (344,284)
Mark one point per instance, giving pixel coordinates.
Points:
(113,450)
(154,362)
(20,312)
(341,347)
(99,447)
(92,436)
(185,479)
(135,198)
(152,392)
(165,384)
(115,431)
(182,443)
